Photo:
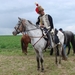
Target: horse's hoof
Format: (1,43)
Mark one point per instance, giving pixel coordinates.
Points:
(42,69)
(59,62)
(25,53)
(65,59)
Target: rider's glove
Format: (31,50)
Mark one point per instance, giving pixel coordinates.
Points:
(48,27)
(52,31)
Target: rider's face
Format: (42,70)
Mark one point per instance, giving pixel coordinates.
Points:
(41,13)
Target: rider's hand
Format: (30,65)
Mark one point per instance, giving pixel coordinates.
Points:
(42,26)
(48,27)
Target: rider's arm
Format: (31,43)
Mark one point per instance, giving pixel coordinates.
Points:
(50,21)
(38,21)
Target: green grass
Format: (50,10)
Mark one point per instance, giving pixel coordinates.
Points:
(10,41)
(14,62)
(10,45)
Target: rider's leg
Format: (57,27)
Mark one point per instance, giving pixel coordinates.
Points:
(49,38)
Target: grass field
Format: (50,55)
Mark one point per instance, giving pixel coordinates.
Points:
(14,62)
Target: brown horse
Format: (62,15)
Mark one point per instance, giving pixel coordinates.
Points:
(25,40)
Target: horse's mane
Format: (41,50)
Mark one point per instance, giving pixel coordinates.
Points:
(29,21)
(33,24)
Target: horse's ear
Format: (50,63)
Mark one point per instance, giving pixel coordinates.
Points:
(19,18)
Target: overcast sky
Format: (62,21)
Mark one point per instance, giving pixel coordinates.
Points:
(62,12)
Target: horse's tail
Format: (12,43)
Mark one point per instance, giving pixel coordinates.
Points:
(22,44)
(73,43)
(63,54)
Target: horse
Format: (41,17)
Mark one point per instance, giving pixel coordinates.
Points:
(37,40)
(25,40)
(69,38)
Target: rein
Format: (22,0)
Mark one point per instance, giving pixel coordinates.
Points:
(31,29)
(37,41)
(35,37)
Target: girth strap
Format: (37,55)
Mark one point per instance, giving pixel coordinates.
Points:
(37,41)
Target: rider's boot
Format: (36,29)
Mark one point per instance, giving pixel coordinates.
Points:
(49,40)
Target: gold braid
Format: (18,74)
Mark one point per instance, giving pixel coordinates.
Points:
(41,22)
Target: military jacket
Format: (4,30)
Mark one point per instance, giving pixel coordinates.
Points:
(45,20)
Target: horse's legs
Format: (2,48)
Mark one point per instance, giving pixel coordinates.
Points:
(51,52)
(64,57)
(68,49)
(37,59)
(60,53)
(55,49)
(22,45)
(25,48)
(41,60)
(38,64)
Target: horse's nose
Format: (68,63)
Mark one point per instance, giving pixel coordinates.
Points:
(12,32)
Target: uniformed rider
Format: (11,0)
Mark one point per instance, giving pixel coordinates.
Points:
(45,21)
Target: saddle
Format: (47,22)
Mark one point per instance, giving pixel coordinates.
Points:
(54,36)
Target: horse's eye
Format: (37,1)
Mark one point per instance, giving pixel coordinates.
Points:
(18,23)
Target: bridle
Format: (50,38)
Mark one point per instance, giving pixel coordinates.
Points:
(17,29)
(24,30)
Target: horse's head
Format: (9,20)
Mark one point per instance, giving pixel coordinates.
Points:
(20,27)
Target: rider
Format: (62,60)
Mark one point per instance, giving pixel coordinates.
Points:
(45,21)
(61,30)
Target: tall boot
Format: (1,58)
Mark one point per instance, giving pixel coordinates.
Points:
(49,38)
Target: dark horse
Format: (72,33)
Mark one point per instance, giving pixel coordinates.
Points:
(69,38)
(25,40)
